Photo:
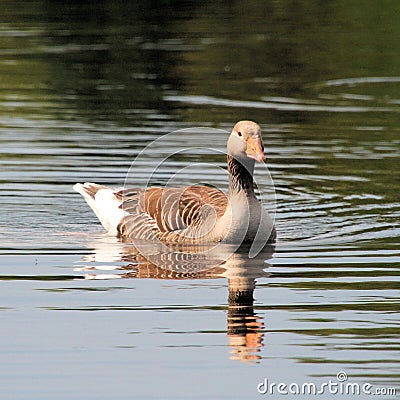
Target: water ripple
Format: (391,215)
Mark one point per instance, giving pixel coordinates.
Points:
(280,106)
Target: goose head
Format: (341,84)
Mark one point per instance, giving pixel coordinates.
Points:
(245,143)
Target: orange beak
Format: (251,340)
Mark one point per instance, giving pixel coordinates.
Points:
(255,149)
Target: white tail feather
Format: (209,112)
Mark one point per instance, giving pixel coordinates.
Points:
(104,204)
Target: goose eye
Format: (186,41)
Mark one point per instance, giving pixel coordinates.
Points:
(239,134)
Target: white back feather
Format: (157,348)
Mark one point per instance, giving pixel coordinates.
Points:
(106,206)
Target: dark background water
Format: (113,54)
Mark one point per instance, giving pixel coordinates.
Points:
(85,87)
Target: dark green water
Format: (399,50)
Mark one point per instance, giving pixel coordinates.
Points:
(85,87)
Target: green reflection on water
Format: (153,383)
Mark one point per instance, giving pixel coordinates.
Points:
(104,63)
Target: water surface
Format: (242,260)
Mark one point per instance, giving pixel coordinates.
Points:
(84,88)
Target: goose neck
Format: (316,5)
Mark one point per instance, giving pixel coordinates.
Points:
(240,176)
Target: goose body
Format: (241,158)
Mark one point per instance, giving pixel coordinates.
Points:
(192,214)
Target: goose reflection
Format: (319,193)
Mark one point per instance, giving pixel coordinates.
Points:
(244,326)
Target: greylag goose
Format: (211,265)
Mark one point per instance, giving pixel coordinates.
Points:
(193,214)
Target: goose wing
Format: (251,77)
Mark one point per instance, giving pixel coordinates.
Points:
(156,211)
